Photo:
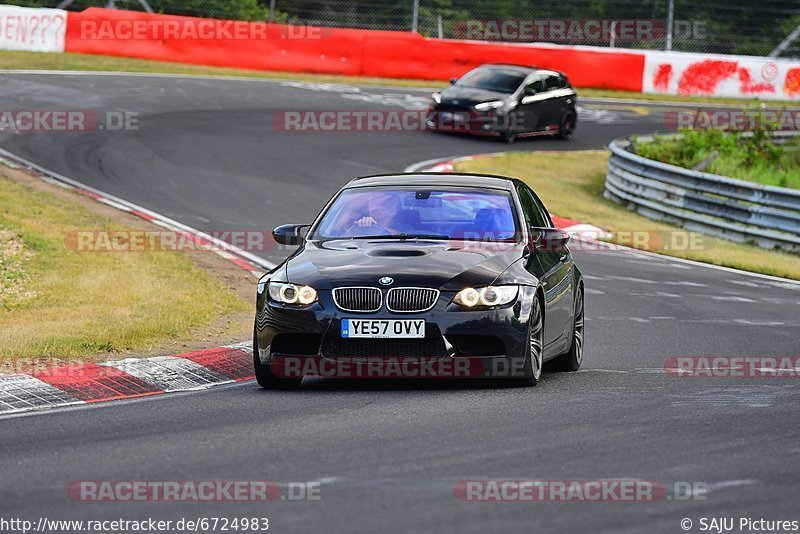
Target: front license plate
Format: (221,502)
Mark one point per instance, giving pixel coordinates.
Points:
(383,328)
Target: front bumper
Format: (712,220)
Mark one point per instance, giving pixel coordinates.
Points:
(466,120)
(487,340)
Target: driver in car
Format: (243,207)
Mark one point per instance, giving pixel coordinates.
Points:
(384,212)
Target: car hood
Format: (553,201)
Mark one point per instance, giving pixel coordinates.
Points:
(469,96)
(439,264)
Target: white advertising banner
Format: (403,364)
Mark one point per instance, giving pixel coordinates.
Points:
(676,73)
(32,29)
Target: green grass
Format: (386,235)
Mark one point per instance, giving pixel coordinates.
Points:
(14,258)
(57,302)
(754,158)
(571,185)
(13,60)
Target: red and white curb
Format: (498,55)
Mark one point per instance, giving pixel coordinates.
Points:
(89,383)
(584,231)
(232,253)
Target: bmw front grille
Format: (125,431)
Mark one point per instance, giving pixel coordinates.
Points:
(411,299)
(398,299)
(358,299)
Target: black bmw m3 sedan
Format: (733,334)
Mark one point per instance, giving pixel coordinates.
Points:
(509,101)
(461,269)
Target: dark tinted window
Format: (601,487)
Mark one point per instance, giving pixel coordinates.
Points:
(492,79)
(534,215)
(555,82)
(536,85)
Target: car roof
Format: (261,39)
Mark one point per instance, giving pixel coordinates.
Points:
(435,179)
(523,69)
(527,69)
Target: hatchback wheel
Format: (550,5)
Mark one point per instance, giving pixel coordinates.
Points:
(566,129)
(508,137)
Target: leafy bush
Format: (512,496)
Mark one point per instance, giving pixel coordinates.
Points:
(749,157)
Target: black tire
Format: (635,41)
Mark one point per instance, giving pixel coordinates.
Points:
(566,128)
(571,360)
(264,375)
(508,137)
(534,349)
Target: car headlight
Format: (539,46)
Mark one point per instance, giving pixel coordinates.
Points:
(437,98)
(487,106)
(488,296)
(292,294)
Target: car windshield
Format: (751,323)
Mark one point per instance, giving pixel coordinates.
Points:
(429,213)
(493,79)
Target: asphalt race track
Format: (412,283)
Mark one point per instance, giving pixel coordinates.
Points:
(388,454)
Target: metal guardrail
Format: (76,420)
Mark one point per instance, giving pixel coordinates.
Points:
(738,210)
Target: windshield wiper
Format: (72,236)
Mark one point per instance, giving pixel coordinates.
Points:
(402,237)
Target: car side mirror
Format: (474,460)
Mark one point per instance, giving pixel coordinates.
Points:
(549,240)
(529,91)
(289,234)
(453,81)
